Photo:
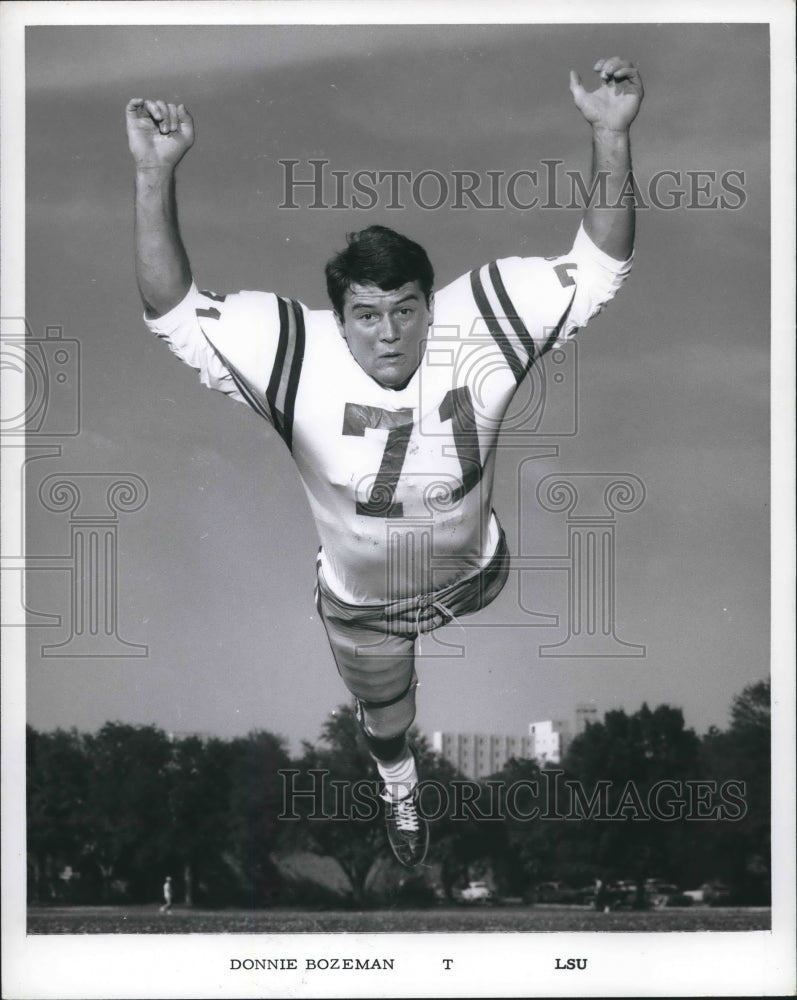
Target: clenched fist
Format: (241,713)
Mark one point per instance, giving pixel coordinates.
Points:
(159,134)
(615,104)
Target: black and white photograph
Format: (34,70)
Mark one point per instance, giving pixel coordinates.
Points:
(446,648)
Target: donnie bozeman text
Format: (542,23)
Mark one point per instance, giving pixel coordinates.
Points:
(316,796)
(282,964)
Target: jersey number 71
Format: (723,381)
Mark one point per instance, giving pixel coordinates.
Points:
(457,406)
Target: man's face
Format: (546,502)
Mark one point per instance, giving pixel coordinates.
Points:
(386,331)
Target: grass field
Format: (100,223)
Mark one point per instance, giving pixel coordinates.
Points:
(539,919)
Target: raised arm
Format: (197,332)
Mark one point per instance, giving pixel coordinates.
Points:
(159,135)
(610,110)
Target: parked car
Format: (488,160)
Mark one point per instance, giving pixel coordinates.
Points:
(477,892)
(661,893)
(549,892)
(623,894)
(679,899)
(618,895)
(716,893)
(557,892)
(696,895)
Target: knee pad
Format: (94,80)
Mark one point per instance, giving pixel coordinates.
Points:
(385,747)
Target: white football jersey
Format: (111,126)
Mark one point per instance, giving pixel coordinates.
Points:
(399,480)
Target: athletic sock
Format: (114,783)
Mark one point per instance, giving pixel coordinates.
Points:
(400,776)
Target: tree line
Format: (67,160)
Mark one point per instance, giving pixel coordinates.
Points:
(637,795)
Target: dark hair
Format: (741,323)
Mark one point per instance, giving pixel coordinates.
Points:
(377,256)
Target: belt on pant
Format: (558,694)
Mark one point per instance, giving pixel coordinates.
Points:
(423,612)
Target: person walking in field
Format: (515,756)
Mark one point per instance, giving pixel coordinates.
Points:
(167,895)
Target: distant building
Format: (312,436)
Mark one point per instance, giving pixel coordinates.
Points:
(478,755)
(586,715)
(549,741)
(175,736)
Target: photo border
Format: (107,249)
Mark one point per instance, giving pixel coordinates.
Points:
(512,965)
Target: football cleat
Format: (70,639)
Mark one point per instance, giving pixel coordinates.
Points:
(407,830)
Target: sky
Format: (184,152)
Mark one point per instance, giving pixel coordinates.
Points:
(670,384)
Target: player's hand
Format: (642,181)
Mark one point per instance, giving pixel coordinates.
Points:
(615,104)
(159,134)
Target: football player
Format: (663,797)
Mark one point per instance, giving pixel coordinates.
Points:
(394,439)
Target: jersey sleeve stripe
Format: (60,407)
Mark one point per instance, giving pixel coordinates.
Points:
(295,371)
(284,382)
(485,310)
(510,312)
(279,364)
